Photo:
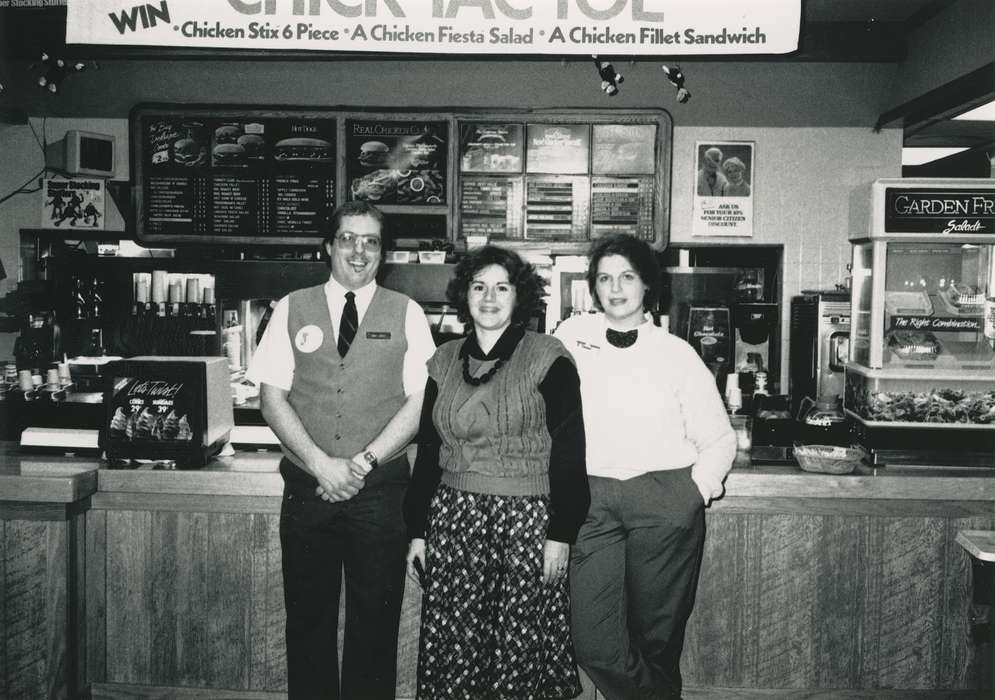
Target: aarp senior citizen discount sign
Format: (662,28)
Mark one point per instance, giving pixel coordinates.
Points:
(615,27)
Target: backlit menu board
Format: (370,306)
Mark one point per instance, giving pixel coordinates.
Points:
(244,176)
(556,208)
(491,148)
(491,206)
(558,148)
(397,162)
(624,149)
(622,205)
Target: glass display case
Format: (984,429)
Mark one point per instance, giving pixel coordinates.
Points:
(923,308)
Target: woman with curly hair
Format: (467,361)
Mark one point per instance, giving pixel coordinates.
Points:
(498,493)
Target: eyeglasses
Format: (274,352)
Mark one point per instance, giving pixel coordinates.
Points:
(349,240)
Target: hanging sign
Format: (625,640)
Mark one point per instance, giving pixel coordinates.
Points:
(616,27)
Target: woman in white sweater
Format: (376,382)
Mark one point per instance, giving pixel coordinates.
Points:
(659,445)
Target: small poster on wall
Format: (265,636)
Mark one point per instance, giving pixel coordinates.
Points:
(723,188)
(76,203)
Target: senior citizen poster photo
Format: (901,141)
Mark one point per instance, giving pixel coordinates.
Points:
(723,188)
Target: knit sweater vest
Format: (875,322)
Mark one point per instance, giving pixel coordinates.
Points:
(494,436)
(345,402)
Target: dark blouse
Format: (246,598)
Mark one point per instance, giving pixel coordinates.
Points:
(569,493)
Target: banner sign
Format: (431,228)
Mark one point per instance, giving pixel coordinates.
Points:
(615,27)
(941,210)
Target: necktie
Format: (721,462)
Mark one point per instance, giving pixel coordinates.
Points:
(621,339)
(348,324)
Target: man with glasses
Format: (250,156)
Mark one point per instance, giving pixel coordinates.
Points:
(341,370)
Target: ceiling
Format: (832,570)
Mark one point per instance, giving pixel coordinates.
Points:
(927,121)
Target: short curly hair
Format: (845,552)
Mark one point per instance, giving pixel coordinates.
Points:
(529,286)
(640,256)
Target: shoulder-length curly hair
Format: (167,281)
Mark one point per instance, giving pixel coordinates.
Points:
(640,256)
(529,286)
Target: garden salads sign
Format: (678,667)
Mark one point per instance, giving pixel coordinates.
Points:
(615,27)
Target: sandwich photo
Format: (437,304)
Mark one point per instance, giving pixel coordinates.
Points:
(227,133)
(252,143)
(302,148)
(187,151)
(228,153)
(374,154)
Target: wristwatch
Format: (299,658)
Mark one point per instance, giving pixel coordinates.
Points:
(371,459)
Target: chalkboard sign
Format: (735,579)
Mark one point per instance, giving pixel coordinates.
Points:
(233,176)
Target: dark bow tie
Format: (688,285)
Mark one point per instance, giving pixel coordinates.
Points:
(621,339)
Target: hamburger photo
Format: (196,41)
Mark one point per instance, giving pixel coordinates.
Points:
(227,133)
(302,148)
(374,154)
(187,151)
(228,154)
(252,143)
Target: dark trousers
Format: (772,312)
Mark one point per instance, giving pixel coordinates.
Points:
(364,536)
(633,577)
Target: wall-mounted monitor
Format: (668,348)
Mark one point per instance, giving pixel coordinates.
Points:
(83,153)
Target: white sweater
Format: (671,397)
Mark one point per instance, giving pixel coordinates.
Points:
(649,407)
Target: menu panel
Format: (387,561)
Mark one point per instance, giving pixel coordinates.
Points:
(491,148)
(623,149)
(254,175)
(558,148)
(622,205)
(557,208)
(397,162)
(491,206)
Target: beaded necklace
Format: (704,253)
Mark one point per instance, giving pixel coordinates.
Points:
(483,378)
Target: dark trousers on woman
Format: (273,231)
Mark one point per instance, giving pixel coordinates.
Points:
(633,577)
(365,537)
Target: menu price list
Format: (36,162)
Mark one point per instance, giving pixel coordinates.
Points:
(239,205)
(622,205)
(556,208)
(177,205)
(491,207)
(302,205)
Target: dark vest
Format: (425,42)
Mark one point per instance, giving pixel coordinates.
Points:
(345,403)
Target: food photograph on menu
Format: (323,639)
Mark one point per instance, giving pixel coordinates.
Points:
(491,148)
(558,148)
(397,162)
(624,149)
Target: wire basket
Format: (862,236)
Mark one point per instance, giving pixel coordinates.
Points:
(828,459)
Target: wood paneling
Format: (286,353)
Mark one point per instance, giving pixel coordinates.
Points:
(823,601)
(786,600)
(36,649)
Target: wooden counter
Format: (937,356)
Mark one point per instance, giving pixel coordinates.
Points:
(42,525)
(809,582)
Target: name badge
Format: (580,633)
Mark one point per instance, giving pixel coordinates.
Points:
(378,335)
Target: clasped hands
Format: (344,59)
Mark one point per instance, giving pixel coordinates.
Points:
(339,479)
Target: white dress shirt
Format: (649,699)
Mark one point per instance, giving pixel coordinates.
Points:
(273,361)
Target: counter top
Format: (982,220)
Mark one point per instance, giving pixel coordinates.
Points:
(59,478)
(45,479)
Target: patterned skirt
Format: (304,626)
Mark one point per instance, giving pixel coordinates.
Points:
(490,628)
